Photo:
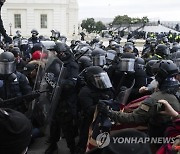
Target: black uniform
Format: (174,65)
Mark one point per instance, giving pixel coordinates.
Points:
(34,40)
(65,113)
(13,83)
(15,87)
(89,97)
(121,78)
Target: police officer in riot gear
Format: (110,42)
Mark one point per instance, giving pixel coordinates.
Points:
(161,52)
(135,50)
(148,111)
(64,116)
(34,38)
(7,39)
(175,48)
(55,35)
(12,83)
(149,50)
(98,86)
(18,35)
(98,57)
(110,57)
(84,62)
(129,73)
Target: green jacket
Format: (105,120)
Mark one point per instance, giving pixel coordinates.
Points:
(147,112)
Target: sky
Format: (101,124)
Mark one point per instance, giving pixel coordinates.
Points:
(165,10)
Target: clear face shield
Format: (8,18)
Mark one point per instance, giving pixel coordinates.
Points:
(99,60)
(110,56)
(7,68)
(102,81)
(126,65)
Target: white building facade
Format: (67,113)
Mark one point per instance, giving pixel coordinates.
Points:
(43,15)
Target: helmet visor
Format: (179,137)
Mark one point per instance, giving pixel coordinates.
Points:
(110,56)
(7,68)
(99,60)
(102,81)
(126,65)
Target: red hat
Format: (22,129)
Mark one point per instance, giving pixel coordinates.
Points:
(38,54)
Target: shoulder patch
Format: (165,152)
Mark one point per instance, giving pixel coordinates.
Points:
(144,107)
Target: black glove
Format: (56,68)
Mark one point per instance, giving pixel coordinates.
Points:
(103,108)
(8,39)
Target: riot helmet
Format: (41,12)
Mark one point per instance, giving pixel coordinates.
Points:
(126,63)
(165,40)
(55,34)
(7,63)
(162,50)
(34,33)
(139,64)
(18,33)
(98,57)
(63,51)
(86,51)
(175,57)
(148,41)
(149,67)
(113,44)
(166,69)
(153,42)
(175,48)
(84,62)
(96,77)
(128,47)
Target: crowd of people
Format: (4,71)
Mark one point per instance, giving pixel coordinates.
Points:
(86,88)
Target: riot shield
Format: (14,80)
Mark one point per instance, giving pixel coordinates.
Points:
(124,93)
(51,84)
(42,62)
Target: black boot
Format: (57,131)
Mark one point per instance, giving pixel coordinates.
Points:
(52,148)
